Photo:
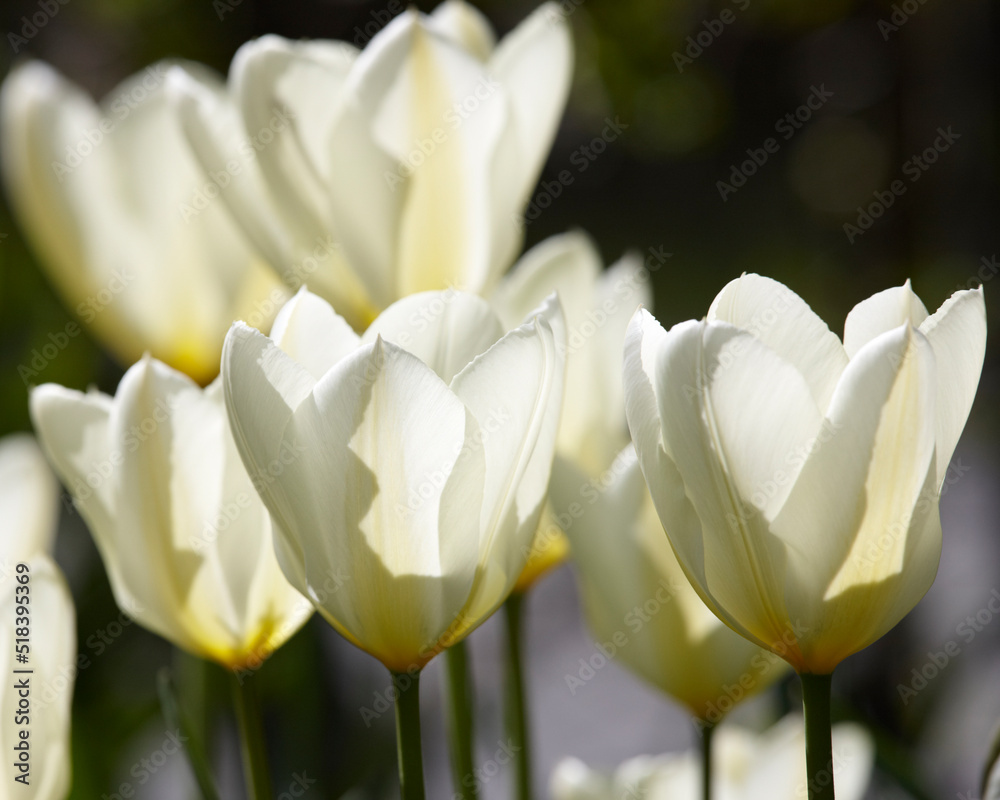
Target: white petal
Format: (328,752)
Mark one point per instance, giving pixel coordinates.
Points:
(514,390)
(957,332)
(784,322)
(378,487)
(568,264)
(534,62)
(72,429)
(882,312)
(446,330)
(29,497)
(312,333)
(464,25)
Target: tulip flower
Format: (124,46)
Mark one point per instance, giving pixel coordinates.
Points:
(186,542)
(752,766)
(598,304)
(37,629)
(397,169)
(424,450)
(798,477)
(639,604)
(122,221)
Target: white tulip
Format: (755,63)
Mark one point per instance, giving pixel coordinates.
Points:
(798,478)
(184,537)
(747,766)
(639,603)
(115,206)
(423,451)
(379,173)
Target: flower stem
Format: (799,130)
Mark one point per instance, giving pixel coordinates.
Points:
(460,724)
(248,719)
(177,720)
(411,765)
(819,743)
(707,729)
(517,718)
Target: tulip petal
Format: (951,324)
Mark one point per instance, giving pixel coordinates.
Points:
(567,264)
(377,443)
(882,312)
(262,387)
(464,25)
(712,377)
(514,390)
(311,332)
(957,332)
(535,64)
(29,497)
(784,322)
(293,91)
(446,330)
(72,428)
(416,88)
(869,479)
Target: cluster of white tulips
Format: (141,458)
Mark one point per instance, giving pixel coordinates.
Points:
(436,428)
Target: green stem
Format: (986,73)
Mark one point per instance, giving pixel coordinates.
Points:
(248,718)
(517,718)
(177,720)
(819,744)
(411,765)
(460,725)
(707,729)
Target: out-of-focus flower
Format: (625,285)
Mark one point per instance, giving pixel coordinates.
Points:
(641,608)
(186,542)
(747,766)
(38,625)
(798,478)
(395,170)
(424,452)
(598,304)
(120,216)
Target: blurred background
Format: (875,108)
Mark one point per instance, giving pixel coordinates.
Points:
(669,108)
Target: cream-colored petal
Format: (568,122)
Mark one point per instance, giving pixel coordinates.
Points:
(882,312)
(311,332)
(446,330)
(378,489)
(466,26)
(784,322)
(514,390)
(846,520)
(957,332)
(29,497)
